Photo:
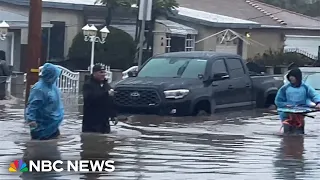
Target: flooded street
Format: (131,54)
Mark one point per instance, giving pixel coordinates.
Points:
(242,145)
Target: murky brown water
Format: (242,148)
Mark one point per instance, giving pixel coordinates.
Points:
(241,145)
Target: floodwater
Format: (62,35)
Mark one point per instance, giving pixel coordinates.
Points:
(242,145)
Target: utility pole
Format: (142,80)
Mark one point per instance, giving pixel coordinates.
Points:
(34,45)
(145,9)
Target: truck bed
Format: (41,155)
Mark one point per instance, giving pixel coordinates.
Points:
(266,81)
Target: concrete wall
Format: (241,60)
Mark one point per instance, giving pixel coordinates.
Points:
(203,32)
(159,38)
(272,38)
(73,19)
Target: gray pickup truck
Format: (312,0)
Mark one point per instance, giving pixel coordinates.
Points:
(192,83)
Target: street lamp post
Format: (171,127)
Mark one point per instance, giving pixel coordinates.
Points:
(3,30)
(90,34)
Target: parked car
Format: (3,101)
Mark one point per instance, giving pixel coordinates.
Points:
(313,80)
(191,83)
(310,75)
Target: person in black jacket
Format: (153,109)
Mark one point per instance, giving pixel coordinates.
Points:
(4,68)
(98,102)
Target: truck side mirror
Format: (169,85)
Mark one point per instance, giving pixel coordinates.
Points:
(132,73)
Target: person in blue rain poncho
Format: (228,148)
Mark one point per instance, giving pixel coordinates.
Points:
(296,93)
(45,111)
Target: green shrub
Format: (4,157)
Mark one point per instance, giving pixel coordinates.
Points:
(276,58)
(118,51)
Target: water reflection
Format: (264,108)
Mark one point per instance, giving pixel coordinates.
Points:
(290,162)
(95,147)
(41,150)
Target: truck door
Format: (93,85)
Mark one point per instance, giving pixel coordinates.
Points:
(240,82)
(221,93)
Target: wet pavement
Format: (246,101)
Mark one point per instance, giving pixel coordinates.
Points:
(240,145)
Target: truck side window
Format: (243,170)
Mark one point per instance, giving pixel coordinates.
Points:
(235,68)
(219,67)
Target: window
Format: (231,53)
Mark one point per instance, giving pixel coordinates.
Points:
(235,68)
(174,67)
(168,43)
(219,67)
(57,40)
(190,42)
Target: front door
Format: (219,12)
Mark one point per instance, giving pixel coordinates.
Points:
(240,82)
(220,88)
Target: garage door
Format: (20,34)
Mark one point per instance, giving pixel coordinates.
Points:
(309,44)
(232,49)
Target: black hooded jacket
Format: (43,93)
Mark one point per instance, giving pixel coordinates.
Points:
(98,106)
(4,68)
(297,74)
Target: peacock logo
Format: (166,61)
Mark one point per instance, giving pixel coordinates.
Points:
(18,165)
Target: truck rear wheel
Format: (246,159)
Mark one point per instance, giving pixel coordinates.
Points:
(270,100)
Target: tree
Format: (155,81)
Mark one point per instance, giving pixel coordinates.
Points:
(159,7)
(112,5)
(279,58)
(118,51)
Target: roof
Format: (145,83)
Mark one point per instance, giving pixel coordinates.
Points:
(10,16)
(61,4)
(212,17)
(252,10)
(83,2)
(17,20)
(176,28)
(197,54)
(246,13)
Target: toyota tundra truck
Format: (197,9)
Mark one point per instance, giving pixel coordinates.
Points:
(193,83)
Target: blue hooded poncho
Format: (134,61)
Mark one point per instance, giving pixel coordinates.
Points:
(45,106)
(296,95)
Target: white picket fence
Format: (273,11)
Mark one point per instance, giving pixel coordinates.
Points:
(108,74)
(300,51)
(69,80)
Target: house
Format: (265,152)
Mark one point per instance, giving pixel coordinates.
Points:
(62,20)
(244,27)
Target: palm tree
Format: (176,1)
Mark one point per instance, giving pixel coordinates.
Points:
(159,8)
(112,5)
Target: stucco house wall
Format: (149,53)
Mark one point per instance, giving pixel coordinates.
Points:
(270,38)
(268,25)
(272,35)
